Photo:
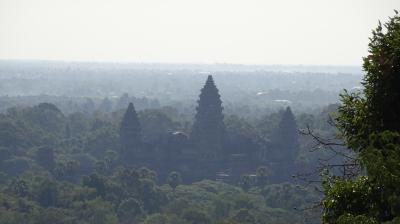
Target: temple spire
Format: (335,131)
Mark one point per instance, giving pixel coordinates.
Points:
(130,129)
(208,129)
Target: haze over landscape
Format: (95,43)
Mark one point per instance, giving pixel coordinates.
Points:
(199,112)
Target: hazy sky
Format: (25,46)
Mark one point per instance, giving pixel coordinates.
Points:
(193,31)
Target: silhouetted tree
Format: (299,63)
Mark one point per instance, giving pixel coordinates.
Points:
(208,129)
(130,129)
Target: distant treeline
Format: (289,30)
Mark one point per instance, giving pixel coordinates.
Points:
(174,85)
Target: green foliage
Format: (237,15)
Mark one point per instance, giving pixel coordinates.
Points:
(158,218)
(14,134)
(195,216)
(45,157)
(174,179)
(46,116)
(262,175)
(97,182)
(241,137)
(155,124)
(370,124)
(246,182)
(360,219)
(129,209)
(376,196)
(58,168)
(378,107)
(101,140)
(244,216)
(16,165)
(289,196)
(47,194)
(97,211)
(127,197)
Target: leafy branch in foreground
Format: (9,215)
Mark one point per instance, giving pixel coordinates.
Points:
(369,122)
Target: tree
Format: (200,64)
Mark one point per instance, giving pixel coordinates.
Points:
(369,121)
(377,107)
(174,179)
(244,216)
(130,129)
(196,217)
(88,106)
(158,218)
(122,101)
(106,105)
(129,179)
(209,129)
(97,211)
(241,137)
(246,182)
(155,125)
(47,193)
(151,196)
(111,158)
(51,215)
(222,208)
(19,187)
(47,116)
(262,176)
(128,210)
(15,166)
(45,158)
(16,134)
(97,182)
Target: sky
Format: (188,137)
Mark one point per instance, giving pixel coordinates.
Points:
(309,32)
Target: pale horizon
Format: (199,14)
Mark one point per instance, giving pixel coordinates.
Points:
(255,32)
